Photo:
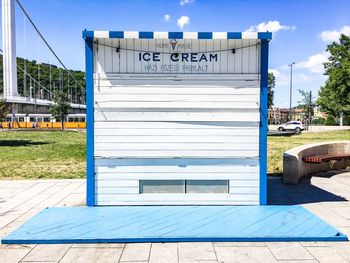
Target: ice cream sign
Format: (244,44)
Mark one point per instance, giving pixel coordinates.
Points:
(176,56)
(179,57)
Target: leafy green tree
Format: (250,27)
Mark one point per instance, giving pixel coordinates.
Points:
(330,121)
(319,121)
(60,106)
(334,96)
(271,83)
(307,104)
(4,108)
(346,120)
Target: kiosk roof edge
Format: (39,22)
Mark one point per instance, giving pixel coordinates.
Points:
(176,35)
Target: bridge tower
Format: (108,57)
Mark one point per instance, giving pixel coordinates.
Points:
(9,49)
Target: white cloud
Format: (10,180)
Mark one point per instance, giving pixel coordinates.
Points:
(271,26)
(330,36)
(167,18)
(301,77)
(275,72)
(185,2)
(314,63)
(182,21)
(283,76)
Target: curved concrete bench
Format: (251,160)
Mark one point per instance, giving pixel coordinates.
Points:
(294,167)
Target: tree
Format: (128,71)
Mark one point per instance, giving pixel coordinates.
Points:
(60,107)
(334,96)
(271,83)
(307,104)
(330,121)
(5,108)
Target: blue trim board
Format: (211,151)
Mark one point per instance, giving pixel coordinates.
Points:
(234,35)
(179,35)
(146,35)
(116,34)
(173,224)
(90,166)
(88,34)
(264,56)
(175,35)
(205,35)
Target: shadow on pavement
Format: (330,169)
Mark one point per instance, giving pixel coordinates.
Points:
(303,193)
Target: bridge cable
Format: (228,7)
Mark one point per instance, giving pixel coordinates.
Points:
(47,44)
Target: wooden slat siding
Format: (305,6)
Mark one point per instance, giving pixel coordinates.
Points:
(115,202)
(235,81)
(116,178)
(176,153)
(110,90)
(243,61)
(177,199)
(177,146)
(188,162)
(116,191)
(181,98)
(115,104)
(234,170)
(177,131)
(245,190)
(101,139)
(253,126)
(240,116)
(118,187)
(166,126)
(243,183)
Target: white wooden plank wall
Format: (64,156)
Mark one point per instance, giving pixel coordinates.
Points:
(243,61)
(117,182)
(175,126)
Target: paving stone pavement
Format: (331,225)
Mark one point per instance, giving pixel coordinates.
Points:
(325,195)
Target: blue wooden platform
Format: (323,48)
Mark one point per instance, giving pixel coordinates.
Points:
(172,224)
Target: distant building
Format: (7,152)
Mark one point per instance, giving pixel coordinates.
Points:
(318,113)
(274,115)
(281,115)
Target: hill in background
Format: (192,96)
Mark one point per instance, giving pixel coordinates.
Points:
(59,79)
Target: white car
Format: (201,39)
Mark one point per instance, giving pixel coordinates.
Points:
(296,126)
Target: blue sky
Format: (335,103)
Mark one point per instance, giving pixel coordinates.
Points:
(301,29)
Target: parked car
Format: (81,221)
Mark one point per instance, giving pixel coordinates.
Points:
(297,126)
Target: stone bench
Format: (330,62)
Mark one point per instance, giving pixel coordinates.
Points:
(296,161)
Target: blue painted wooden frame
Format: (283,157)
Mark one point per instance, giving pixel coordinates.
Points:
(90,173)
(264,54)
(90,162)
(177,35)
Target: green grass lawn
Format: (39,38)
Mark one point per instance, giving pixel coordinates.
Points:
(57,154)
(277,145)
(39,154)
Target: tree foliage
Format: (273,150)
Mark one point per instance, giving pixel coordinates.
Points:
(307,103)
(271,83)
(330,121)
(319,121)
(5,109)
(334,96)
(60,106)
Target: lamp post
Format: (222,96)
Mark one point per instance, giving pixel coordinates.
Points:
(290,90)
